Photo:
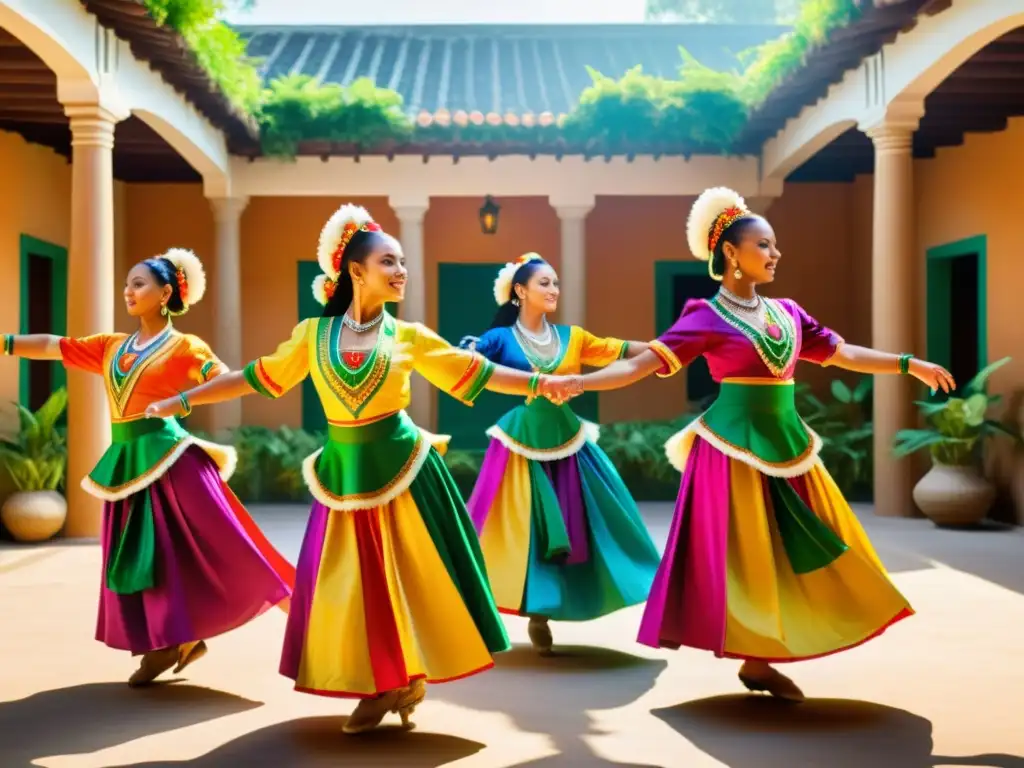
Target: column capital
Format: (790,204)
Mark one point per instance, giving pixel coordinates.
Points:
(893,126)
(91,125)
(573,209)
(410,209)
(228,208)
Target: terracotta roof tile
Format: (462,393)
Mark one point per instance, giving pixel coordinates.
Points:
(501,70)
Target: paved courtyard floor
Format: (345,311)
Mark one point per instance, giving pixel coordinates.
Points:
(944,688)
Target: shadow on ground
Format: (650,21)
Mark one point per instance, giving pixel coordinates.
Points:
(761,732)
(318,741)
(551,695)
(87,718)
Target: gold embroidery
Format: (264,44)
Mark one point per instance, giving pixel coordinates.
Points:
(356,396)
(120,396)
(398,478)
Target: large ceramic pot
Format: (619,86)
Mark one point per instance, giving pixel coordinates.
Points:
(954,495)
(34,515)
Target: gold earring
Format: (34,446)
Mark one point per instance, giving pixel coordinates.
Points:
(736,273)
(163,310)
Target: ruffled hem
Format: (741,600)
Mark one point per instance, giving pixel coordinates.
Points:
(588,432)
(224,456)
(677,449)
(399,485)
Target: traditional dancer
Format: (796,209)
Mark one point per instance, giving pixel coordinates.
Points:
(391,591)
(561,536)
(765,561)
(182,559)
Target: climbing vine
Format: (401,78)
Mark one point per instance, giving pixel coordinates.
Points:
(700,111)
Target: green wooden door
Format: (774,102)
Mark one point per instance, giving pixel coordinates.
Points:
(466,308)
(43,309)
(313,418)
(957,306)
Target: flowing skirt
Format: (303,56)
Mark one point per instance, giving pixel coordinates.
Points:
(391,594)
(758,567)
(561,539)
(214,569)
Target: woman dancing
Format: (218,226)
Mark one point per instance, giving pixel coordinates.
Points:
(560,534)
(182,559)
(391,591)
(765,560)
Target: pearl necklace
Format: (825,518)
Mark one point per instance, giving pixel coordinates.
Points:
(361,327)
(542,339)
(751,303)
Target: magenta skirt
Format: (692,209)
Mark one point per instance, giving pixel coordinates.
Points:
(214,569)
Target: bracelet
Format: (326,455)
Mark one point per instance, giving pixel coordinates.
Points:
(903,364)
(8,344)
(185,403)
(531,387)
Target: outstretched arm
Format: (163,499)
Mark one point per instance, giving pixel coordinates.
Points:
(464,374)
(34,346)
(623,372)
(850,357)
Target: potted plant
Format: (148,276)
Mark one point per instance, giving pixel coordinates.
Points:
(954,492)
(36,458)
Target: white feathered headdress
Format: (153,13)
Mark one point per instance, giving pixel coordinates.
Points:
(712,213)
(503,283)
(334,238)
(190,275)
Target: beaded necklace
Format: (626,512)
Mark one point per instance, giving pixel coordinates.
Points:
(775,341)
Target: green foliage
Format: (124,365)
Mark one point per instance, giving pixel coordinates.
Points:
(464,467)
(702,111)
(270,463)
(773,62)
(298,107)
(217,47)
(958,426)
(844,426)
(36,457)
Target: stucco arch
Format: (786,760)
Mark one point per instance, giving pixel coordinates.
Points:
(48,34)
(912,66)
(917,62)
(805,136)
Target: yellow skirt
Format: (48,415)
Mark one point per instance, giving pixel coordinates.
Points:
(765,568)
(387,595)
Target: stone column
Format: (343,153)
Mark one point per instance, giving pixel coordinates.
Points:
(90,302)
(410,213)
(227,332)
(572,271)
(892,306)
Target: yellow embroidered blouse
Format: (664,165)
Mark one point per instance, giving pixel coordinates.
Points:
(136,376)
(379,384)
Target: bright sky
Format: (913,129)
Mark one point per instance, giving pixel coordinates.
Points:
(441,12)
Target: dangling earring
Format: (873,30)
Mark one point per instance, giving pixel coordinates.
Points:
(163,310)
(736,273)
(515,302)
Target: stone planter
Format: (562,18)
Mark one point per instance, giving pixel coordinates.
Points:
(33,516)
(954,495)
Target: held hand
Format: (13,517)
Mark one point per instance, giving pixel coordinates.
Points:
(935,376)
(560,389)
(163,409)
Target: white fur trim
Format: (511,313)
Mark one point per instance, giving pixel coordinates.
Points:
(224,456)
(330,235)
(320,289)
(677,450)
(400,486)
(503,282)
(195,275)
(588,432)
(703,214)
